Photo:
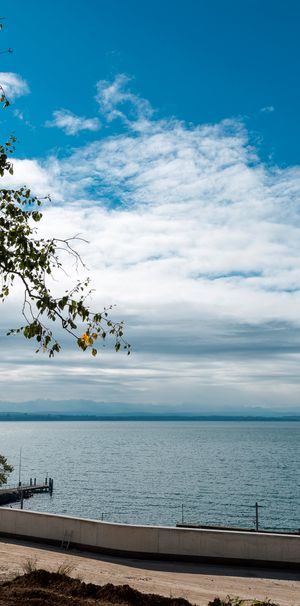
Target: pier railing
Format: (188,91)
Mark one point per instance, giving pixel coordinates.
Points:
(21,491)
(256,516)
(259,516)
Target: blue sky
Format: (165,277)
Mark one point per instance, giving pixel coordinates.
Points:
(201,61)
(167,134)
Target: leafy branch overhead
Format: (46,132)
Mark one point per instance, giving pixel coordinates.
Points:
(32,260)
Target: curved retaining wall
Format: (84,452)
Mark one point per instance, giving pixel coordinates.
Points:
(153,541)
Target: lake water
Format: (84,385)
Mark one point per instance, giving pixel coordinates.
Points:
(143,472)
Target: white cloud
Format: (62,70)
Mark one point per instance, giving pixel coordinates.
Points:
(72,124)
(20,115)
(197,241)
(43,178)
(13,85)
(268,109)
(117,101)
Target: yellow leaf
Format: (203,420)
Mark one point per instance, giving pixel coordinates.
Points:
(85,338)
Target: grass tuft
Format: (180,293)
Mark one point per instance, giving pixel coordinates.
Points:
(236,601)
(65,569)
(29,565)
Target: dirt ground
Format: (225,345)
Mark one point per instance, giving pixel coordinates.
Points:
(40,588)
(196,583)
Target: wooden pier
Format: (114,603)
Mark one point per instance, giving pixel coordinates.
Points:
(25,491)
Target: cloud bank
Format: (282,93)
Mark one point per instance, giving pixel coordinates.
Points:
(197,241)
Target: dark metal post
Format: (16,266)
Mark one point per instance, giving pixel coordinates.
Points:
(256,517)
(20,465)
(22,498)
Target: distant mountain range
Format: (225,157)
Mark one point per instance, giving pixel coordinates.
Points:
(91,410)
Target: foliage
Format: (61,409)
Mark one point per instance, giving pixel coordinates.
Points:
(236,601)
(32,260)
(5,470)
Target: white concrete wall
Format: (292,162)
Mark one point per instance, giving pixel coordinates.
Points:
(155,541)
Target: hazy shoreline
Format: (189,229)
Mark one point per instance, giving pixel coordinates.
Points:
(14,416)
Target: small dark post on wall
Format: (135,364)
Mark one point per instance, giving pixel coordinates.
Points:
(257,507)
(256,517)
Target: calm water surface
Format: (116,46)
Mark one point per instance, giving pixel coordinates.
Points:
(142,472)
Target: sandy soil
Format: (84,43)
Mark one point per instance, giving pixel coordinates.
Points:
(41,587)
(197,583)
